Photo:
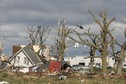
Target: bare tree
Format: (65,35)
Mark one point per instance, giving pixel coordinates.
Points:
(62,35)
(121,58)
(92,54)
(120,55)
(38,36)
(32,35)
(93,41)
(104,38)
(43,33)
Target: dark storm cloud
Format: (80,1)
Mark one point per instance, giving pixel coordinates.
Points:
(48,11)
(41,11)
(17,15)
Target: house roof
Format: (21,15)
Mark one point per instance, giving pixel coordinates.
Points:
(32,56)
(94,57)
(43,66)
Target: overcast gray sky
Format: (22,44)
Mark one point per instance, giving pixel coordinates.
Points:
(17,15)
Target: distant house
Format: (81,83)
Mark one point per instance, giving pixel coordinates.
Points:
(85,60)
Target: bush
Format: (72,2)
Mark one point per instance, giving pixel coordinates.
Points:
(124,70)
(96,69)
(4,75)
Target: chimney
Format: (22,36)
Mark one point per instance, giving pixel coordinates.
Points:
(16,48)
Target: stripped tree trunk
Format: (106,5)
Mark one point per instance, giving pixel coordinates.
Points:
(104,54)
(121,59)
(92,54)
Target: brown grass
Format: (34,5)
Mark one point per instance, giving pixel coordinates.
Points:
(74,78)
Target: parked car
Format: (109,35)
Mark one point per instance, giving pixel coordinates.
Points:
(124,66)
(76,67)
(84,67)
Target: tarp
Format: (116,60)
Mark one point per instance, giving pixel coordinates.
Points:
(54,67)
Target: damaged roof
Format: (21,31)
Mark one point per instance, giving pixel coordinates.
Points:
(31,54)
(33,57)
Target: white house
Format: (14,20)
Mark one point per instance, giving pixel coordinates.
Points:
(97,61)
(111,62)
(36,48)
(83,59)
(29,56)
(25,57)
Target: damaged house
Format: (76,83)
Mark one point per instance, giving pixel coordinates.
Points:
(26,57)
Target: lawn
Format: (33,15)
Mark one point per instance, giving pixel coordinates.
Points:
(14,78)
(66,81)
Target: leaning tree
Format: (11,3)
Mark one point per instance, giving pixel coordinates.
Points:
(119,55)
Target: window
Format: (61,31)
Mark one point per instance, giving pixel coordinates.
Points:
(82,64)
(18,59)
(26,61)
(98,64)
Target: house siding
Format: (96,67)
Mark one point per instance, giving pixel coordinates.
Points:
(82,59)
(21,55)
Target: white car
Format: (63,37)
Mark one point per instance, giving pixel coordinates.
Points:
(84,67)
(76,67)
(124,66)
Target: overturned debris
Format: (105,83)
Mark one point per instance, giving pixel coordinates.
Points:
(4,82)
(62,77)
